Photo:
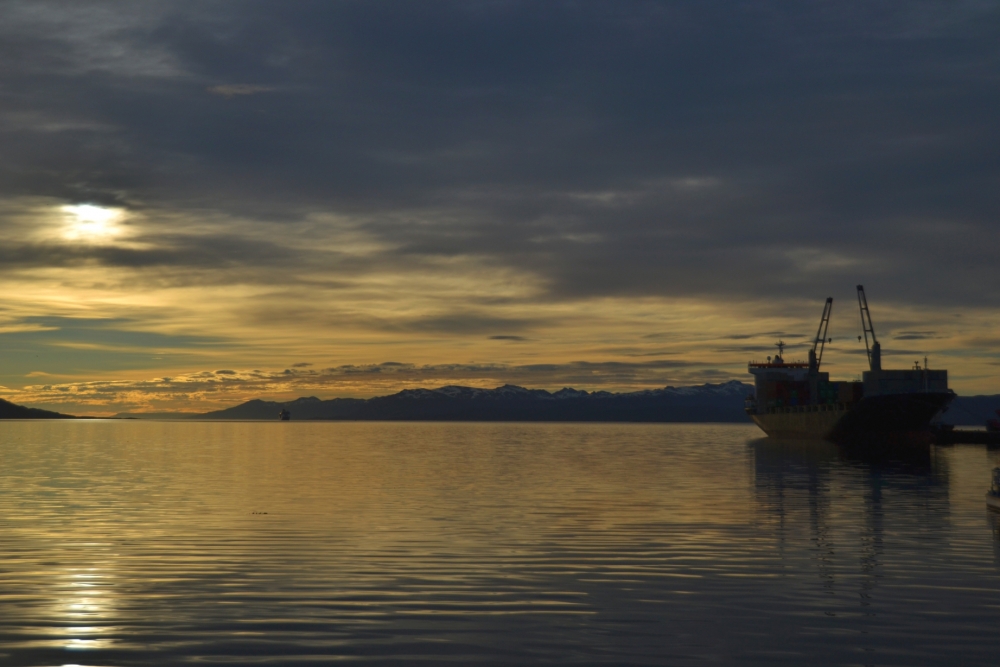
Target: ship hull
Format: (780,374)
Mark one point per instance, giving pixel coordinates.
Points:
(891,419)
(802,423)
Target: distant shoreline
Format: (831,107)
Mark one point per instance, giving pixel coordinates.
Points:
(721,403)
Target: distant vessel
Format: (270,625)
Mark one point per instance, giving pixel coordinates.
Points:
(284,415)
(993,425)
(888,407)
(993,495)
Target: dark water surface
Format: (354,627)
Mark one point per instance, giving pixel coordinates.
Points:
(128,543)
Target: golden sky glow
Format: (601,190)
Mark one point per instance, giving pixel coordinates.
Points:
(100,340)
(400,200)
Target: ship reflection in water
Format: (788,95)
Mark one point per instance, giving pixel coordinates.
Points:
(137,543)
(811,491)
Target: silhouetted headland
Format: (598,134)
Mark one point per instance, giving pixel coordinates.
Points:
(10,410)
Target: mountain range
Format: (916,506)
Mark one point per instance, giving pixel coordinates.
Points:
(722,402)
(706,403)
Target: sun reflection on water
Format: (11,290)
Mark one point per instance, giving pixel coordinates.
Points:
(85,601)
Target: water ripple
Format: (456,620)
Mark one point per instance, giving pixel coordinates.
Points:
(135,543)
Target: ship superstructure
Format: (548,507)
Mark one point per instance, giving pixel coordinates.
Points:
(797,400)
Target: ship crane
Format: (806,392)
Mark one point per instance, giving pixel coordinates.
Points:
(875,350)
(816,353)
(884,410)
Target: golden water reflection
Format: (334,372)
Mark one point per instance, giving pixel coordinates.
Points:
(87,600)
(141,543)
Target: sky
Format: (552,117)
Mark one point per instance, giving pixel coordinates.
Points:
(205,202)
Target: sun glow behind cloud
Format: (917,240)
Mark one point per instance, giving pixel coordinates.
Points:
(87,222)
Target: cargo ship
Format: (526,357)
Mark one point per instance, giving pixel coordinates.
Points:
(888,407)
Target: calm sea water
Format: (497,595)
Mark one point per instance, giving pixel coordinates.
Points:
(139,543)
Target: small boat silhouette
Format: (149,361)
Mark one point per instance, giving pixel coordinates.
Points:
(284,415)
(993,495)
(993,425)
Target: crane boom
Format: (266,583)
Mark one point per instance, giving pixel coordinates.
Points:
(819,344)
(875,350)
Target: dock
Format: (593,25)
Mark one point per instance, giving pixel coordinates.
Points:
(959,436)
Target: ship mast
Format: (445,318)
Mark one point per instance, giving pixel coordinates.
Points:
(815,359)
(875,351)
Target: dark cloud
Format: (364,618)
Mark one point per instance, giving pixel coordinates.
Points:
(109,332)
(215,251)
(657,353)
(506,337)
(720,150)
(889,352)
(464,323)
(915,335)
(58,346)
(766,334)
(234,89)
